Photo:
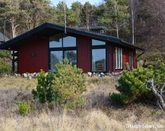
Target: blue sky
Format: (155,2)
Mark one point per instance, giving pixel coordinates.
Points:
(69,2)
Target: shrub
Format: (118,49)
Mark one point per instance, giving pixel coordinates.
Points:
(64,87)
(44,91)
(24,107)
(133,85)
(5,54)
(69,83)
(159,73)
(4,67)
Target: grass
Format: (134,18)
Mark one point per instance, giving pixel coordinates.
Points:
(93,121)
(98,114)
(10,82)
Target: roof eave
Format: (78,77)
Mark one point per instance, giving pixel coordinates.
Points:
(11,43)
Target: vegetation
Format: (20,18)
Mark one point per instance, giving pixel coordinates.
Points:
(66,86)
(136,21)
(44,91)
(5,66)
(133,20)
(114,14)
(63,87)
(98,115)
(134,85)
(153,56)
(69,83)
(24,107)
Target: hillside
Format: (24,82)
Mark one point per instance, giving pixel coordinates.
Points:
(98,114)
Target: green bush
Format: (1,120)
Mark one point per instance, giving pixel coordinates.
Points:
(133,85)
(4,67)
(44,91)
(159,73)
(5,54)
(64,87)
(69,83)
(24,107)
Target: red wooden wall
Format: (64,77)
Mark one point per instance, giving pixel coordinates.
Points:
(33,56)
(134,59)
(84,53)
(110,58)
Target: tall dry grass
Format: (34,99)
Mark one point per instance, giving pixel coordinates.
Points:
(11,82)
(97,115)
(94,120)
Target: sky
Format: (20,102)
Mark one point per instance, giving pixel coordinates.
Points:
(69,2)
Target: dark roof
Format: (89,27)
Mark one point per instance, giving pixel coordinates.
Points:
(48,29)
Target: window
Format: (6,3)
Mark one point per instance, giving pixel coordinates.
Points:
(99,60)
(119,61)
(71,55)
(98,56)
(56,57)
(62,47)
(55,41)
(131,60)
(97,42)
(69,41)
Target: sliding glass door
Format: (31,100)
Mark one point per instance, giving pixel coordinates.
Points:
(99,60)
(99,56)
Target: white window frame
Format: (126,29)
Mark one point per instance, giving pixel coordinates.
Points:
(119,58)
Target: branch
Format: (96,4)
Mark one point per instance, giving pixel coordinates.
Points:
(162,90)
(157,94)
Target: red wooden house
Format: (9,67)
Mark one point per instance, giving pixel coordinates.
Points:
(46,45)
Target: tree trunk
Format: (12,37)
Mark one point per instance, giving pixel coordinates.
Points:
(13,27)
(158,95)
(132,21)
(87,21)
(117,24)
(117,30)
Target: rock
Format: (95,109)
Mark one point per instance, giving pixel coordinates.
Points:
(25,75)
(90,74)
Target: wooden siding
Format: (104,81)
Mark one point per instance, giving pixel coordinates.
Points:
(33,56)
(84,53)
(110,58)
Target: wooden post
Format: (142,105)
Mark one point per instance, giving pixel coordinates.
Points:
(13,62)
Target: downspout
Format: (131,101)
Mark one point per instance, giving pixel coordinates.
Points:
(141,54)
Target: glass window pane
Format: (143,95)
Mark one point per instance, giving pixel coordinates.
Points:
(71,55)
(55,41)
(97,42)
(55,57)
(98,60)
(119,60)
(69,41)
